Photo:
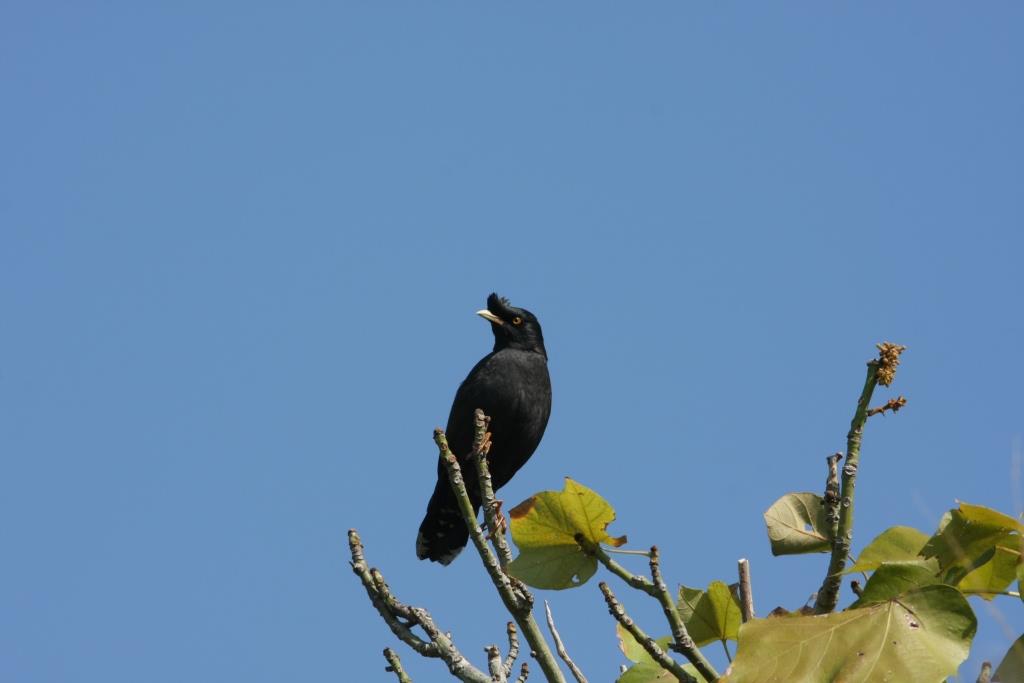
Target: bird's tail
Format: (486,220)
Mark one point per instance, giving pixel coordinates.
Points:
(443,532)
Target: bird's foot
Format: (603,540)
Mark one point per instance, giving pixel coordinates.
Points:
(499,520)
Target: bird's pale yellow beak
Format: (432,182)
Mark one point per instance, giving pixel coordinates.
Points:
(487,315)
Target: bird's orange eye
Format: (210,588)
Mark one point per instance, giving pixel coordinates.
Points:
(517,320)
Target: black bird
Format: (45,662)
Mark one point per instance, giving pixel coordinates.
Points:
(512,386)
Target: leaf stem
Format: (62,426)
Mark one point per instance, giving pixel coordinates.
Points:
(634,580)
(618,551)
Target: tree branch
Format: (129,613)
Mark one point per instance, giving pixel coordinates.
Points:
(683,643)
(646,642)
(498,577)
(481,448)
(518,601)
(494,664)
(560,647)
(880,371)
(746,593)
(513,647)
(401,619)
(524,673)
(395,665)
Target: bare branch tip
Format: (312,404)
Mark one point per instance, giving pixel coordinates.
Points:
(395,665)
(746,592)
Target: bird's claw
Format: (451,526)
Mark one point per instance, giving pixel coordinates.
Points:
(499,519)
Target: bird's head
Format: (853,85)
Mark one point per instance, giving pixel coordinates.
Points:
(514,328)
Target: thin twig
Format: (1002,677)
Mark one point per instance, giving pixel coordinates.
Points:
(746,593)
(893,404)
(401,619)
(880,371)
(682,642)
(516,598)
(401,628)
(524,673)
(494,664)
(646,642)
(459,669)
(513,647)
(725,646)
(395,665)
(560,647)
(986,673)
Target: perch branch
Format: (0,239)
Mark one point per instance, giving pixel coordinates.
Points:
(880,371)
(517,599)
(648,643)
(560,647)
(498,577)
(401,619)
(481,448)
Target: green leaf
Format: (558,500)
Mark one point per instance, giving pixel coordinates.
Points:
(649,672)
(1020,581)
(898,544)
(994,576)
(710,615)
(984,515)
(633,650)
(796,524)
(891,580)
(969,540)
(544,527)
(1012,666)
(923,635)
(645,672)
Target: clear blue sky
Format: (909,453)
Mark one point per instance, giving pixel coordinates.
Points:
(241,246)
